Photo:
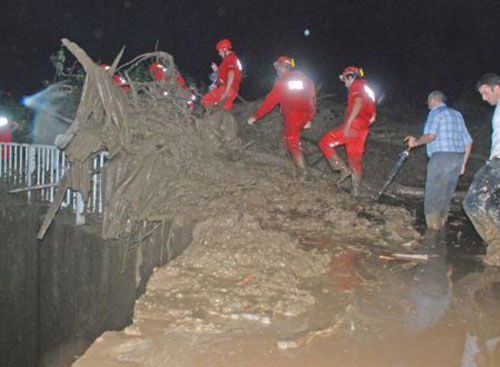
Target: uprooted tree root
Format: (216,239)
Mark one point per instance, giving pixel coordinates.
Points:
(152,141)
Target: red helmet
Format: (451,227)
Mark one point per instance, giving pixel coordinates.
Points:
(351,70)
(104,67)
(285,61)
(156,70)
(156,67)
(224,45)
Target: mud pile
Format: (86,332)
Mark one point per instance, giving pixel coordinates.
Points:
(233,270)
(250,271)
(259,239)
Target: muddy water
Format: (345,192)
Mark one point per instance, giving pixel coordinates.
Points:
(402,314)
(367,311)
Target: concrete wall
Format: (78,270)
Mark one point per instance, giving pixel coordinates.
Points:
(59,294)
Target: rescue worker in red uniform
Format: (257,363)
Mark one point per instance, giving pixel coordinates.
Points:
(296,94)
(119,80)
(6,129)
(360,114)
(229,75)
(158,72)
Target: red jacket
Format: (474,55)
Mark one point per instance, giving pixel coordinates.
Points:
(158,75)
(294,91)
(230,63)
(5,134)
(121,82)
(359,88)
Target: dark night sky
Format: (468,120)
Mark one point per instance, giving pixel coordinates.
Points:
(406,47)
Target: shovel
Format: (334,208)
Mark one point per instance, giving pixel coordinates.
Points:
(403,156)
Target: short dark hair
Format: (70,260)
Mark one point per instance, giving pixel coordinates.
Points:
(489,79)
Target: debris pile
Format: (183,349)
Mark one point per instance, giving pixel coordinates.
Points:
(233,270)
(153,144)
(260,239)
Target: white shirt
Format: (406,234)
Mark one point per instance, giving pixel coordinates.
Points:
(495,136)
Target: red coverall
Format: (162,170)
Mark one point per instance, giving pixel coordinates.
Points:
(5,137)
(158,74)
(119,81)
(355,143)
(296,95)
(122,83)
(230,63)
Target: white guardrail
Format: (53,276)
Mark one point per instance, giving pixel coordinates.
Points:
(36,169)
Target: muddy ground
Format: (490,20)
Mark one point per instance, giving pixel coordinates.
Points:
(286,273)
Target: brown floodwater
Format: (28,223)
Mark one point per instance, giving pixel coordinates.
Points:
(371,312)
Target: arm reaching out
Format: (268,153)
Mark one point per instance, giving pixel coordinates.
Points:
(468,148)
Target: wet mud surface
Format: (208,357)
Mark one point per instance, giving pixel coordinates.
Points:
(286,273)
(235,304)
(211,307)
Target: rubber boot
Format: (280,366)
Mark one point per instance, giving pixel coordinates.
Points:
(300,169)
(339,165)
(434,221)
(282,148)
(356,185)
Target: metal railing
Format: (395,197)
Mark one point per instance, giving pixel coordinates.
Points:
(36,169)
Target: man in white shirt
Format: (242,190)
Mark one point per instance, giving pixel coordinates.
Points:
(482,203)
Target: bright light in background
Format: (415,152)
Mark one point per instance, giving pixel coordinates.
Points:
(307,32)
(26,101)
(3,121)
(47,121)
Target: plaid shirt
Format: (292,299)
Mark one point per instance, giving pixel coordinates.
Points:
(449,128)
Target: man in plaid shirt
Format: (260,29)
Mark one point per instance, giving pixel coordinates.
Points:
(448,146)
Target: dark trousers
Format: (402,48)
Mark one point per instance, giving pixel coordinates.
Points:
(482,205)
(443,171)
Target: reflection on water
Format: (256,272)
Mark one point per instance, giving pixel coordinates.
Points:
(445,282)
(448,307)
(343,270)
(482,341)
(431,287)
(444,312)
